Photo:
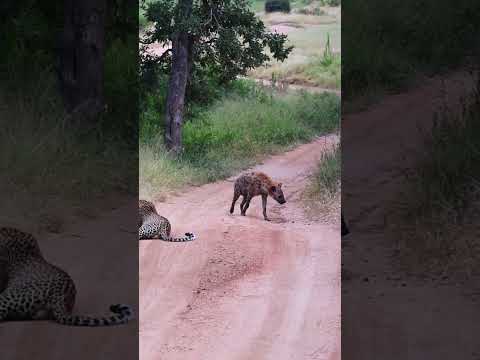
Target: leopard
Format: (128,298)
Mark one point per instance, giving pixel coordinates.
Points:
(253,184)
(151,225)
(35,289)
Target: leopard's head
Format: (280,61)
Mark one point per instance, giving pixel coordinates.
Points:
(14,243)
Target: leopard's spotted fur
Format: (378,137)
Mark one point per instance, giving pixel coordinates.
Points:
(253,184)
(38,290)
(153,226)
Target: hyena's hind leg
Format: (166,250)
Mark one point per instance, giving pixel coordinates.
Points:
(242,204)
(245,204)
(236,195)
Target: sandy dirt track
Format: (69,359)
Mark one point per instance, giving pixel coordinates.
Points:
(246,288)
(386,313)
(99,258)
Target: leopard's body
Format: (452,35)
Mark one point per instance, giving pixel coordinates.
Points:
(253,184)
(153,226)
(38,290)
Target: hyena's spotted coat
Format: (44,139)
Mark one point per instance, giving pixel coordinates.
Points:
(254,184)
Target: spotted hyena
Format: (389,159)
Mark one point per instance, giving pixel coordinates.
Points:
(253,184)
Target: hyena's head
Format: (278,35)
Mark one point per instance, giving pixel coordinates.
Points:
(277,193)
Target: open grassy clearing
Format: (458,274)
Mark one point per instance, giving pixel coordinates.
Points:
(309,35)
(233,134)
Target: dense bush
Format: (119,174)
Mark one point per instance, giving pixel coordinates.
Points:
(277,5)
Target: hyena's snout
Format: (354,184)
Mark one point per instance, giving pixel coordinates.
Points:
(280,199)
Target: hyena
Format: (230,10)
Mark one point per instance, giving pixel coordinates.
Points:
(253,184)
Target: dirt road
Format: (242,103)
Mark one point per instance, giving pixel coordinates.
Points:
(387,313)
(246,288)
(98,256)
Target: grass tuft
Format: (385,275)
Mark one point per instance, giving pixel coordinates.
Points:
(322,195)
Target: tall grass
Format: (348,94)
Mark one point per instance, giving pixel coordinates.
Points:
(52,169)
(324,70)
(234,133)
(321,197)
(444,190)
(49,169)
(325,183)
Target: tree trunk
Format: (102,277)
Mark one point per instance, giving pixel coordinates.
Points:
(181,51)
(82,57)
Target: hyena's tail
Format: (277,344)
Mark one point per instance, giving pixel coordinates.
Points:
(187,237)
(121,314)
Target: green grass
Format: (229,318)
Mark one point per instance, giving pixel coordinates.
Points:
(233,134)
(257,5)
(321,70)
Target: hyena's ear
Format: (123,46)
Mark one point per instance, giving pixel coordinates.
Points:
(279,185)
(273,188)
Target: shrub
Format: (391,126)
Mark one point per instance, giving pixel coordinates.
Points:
(277,5)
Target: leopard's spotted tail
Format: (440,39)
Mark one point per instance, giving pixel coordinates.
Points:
(121,315)
(187,237)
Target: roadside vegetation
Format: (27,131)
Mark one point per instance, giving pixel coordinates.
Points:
(51,167)
(389,46)
(241,127)
(439,211)
(322,195)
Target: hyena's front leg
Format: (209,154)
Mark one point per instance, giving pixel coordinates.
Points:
(264,205)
